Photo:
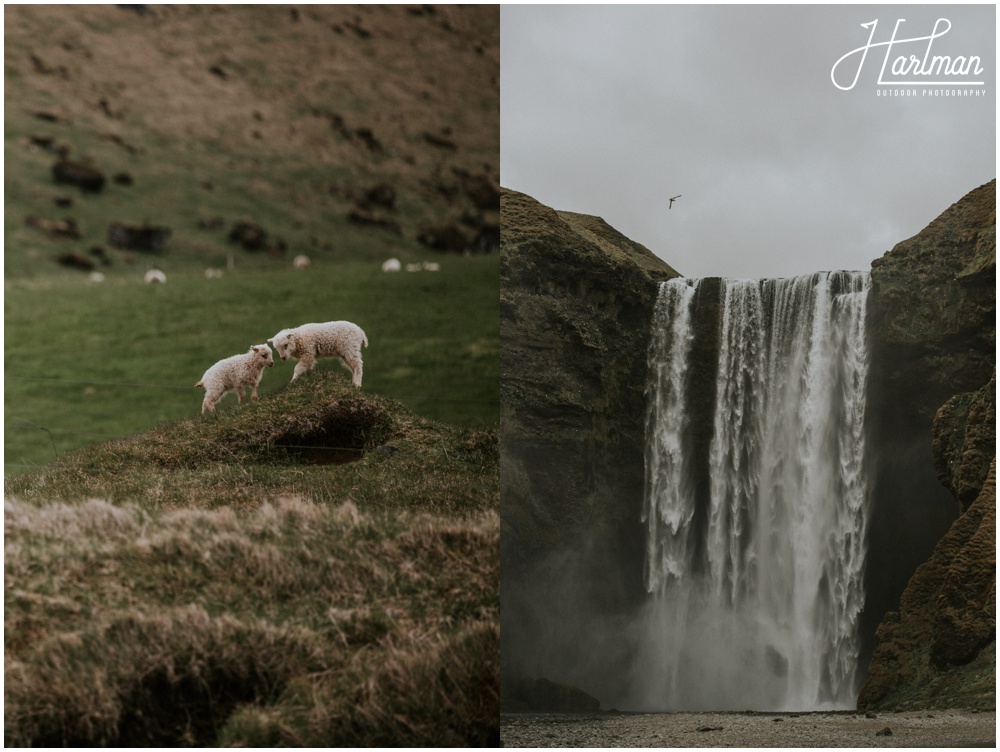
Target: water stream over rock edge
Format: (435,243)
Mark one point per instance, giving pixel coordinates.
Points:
(755,540)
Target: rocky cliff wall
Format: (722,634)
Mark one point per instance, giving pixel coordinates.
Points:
(932,331)
(939,649)
(576,302)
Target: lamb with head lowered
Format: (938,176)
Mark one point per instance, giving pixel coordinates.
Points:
(340,339)
(235,373)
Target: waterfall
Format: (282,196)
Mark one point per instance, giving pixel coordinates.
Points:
(755,536)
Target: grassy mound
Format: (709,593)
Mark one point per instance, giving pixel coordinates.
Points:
(257,594)
(312,415)
(285,443)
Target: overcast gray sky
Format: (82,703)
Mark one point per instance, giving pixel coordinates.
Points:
(611,110)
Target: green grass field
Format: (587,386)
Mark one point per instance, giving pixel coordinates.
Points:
(87,362)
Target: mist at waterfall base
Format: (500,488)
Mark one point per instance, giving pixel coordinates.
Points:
(756,499)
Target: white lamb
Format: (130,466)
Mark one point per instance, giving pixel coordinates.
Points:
(310,341)
(235,373)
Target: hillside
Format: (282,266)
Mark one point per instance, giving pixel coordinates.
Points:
(341,132)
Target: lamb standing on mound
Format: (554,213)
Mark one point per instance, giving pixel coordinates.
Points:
(310,341)
(235,373)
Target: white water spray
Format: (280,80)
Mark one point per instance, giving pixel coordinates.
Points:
(756,589)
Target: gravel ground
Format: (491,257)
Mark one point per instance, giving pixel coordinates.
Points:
(938,728)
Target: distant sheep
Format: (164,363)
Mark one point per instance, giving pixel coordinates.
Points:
(431,266)
(235,373)
(308,342)
(155,277)
(391,265)
(301,262)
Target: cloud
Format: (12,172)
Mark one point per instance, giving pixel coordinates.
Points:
(610,110)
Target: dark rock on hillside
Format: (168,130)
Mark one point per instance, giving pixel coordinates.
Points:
(576,301)
(932,396)
(442,142)
(144,238)
(82,176)
(100,254)
(446,238)
(75,261)
(49,117)
(382,195)
(367,137)
(250,235)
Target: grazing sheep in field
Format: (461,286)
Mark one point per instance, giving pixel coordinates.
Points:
(391,265)
(154,277)
(310,341)
(301,262)
(235,373)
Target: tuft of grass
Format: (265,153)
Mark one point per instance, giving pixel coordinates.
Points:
(297,623)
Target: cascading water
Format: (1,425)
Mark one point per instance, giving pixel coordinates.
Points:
(755,541)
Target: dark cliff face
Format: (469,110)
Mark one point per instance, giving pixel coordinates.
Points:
(576,304)
(933,422)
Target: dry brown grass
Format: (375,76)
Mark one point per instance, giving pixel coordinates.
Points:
(299,624)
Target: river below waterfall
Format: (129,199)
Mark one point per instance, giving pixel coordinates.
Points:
(939,728)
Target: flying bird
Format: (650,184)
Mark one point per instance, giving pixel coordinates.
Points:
(672,200)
